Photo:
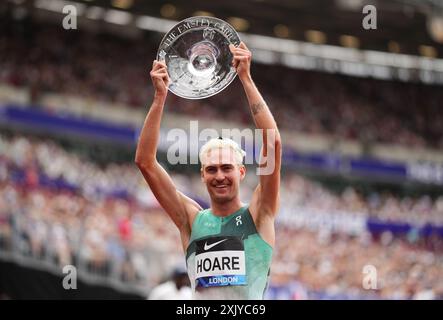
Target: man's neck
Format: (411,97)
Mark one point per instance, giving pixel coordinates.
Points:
(227,208)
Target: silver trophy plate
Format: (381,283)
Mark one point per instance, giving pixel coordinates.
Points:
(196,52)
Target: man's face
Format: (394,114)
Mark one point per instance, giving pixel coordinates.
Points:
(221,174)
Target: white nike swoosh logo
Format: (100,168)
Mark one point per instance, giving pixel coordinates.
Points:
(207,247)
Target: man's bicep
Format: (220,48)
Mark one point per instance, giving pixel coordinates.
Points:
(167,195)
(266,196)
(267,192)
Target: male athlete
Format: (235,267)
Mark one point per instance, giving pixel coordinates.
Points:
(229,246)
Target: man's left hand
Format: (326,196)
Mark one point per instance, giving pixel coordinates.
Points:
(241,60)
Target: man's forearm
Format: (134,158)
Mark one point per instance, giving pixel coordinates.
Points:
(263,120)
(149,135)
(260,112)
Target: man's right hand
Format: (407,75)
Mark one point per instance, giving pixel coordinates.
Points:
(160,78)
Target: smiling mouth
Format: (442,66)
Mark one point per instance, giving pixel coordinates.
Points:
(221,186)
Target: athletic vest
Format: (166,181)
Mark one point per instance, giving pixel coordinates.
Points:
(227,258)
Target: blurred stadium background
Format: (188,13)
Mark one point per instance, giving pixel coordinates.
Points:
(360,113)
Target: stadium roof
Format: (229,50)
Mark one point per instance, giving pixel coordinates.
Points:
(325,35)
(407,26)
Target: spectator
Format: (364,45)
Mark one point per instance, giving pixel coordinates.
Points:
(177,288)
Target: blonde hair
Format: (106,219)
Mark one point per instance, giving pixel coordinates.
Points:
(222,143)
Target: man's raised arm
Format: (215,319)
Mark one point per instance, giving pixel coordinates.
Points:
(265,198)
(180,208)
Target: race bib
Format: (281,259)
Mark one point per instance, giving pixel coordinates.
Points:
(220,261)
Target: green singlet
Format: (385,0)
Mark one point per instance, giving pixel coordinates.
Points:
(227,258)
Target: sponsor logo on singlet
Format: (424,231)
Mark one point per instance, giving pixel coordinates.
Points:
(220,261)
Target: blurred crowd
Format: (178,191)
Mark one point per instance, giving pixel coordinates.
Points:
(298,191)
(334,265)
(108,237)
(106,68)
(59,207)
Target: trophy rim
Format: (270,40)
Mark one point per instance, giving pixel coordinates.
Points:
(236,45)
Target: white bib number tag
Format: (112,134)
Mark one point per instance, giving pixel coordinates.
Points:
(220,261)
